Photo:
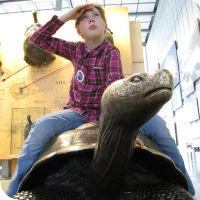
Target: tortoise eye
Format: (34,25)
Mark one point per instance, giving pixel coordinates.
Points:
(136,79)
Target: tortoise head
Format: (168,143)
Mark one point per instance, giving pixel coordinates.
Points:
(138,97)
(32,28)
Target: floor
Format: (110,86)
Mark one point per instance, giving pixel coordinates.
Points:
(3,186)
(192,165)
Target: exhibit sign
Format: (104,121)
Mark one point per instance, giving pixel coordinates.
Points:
(22,119)
(177,97)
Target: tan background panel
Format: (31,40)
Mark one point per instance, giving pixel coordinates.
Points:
(136,42)
(118,22)
(136,47)
(138,67)
(0,50)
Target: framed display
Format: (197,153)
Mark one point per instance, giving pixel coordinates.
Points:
(197,85)
(22,119)
(177,97)
(188,90)
(190,108)
(171,63)
(198,97)
(169,109)
(189,60)
(172,129)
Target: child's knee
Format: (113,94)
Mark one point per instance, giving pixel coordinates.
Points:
(40,132)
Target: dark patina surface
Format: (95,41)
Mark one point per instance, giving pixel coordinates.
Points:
(99,161)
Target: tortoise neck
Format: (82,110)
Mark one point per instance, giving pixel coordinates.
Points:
(114,148)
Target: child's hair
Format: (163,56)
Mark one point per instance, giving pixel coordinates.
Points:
(101,10)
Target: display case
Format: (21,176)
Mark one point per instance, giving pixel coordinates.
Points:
(22,119)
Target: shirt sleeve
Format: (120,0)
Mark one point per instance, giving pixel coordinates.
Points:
(114,66)
(43,39)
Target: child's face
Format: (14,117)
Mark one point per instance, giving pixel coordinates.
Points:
(92,25)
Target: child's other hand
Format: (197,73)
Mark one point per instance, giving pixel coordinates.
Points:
(77,11)
(140,143)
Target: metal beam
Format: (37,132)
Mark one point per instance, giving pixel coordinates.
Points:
(10,1)
(58,5)
(145,30)
(151,23)
(69,4)
(24,11)
(142,14)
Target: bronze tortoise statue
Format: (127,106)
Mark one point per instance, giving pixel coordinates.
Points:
(109,36)
(33,55)
(98,161)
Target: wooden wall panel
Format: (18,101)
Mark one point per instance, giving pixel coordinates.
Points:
(13,165)
(136,42)
(136,47)
(138,67)
(118,22)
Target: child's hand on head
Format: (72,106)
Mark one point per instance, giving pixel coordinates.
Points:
(77,11)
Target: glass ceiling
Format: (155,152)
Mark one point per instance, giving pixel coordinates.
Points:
(139,10)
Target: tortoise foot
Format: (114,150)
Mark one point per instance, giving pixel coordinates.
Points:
(26,195)
(48,193)
(158,192)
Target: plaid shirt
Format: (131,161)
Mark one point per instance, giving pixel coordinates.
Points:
(93,70)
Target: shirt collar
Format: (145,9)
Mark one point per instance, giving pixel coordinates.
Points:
(94,52)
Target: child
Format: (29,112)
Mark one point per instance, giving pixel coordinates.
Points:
(96,63)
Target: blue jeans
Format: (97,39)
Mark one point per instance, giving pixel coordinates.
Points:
(41,132)
(156,130)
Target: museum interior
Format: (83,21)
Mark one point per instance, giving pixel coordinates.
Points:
(150,35)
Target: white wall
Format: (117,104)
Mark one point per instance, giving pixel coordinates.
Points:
(174,21)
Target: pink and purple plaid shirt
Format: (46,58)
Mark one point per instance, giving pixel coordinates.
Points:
(93,70)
